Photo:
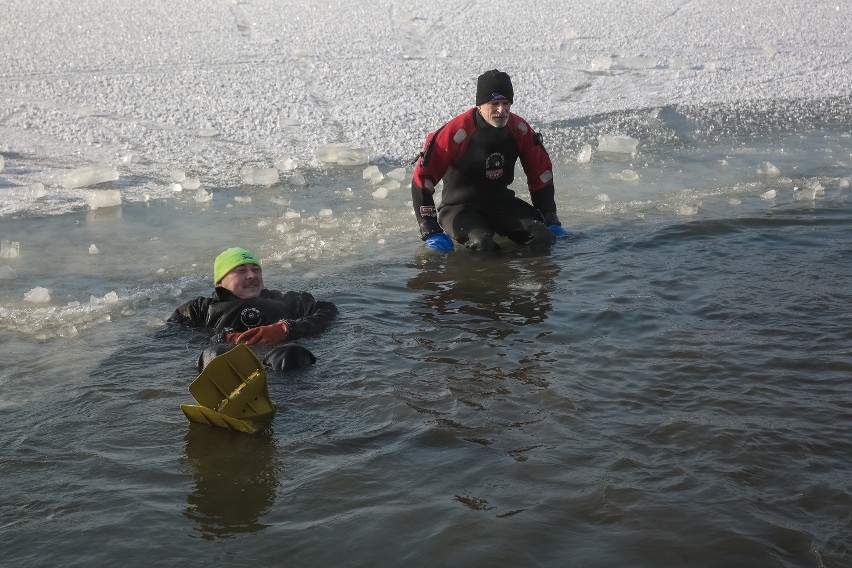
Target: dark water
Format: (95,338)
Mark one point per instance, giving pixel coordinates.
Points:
(663,389)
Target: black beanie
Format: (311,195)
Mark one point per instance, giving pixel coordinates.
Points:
(493,85)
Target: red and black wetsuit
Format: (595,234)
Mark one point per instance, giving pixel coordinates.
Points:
(477,163)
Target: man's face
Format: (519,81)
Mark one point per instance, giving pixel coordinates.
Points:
(496,113)
(245,281)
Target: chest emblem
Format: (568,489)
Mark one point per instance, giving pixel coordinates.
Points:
(250,317)
(494,165)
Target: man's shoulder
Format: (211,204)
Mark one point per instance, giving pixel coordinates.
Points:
(192,311)
(459,128)
(273,293)
(518,125)
(289,295)
(467,117)
(198,300)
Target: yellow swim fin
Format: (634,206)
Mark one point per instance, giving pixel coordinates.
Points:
(232,392)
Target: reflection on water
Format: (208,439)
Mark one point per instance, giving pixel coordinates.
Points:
(483,316)
(472,290)
(235,477)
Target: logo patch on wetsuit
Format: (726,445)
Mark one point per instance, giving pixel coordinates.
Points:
(250,317)
(494,165)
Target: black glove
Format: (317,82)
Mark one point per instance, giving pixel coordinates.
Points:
(211,353)
(288,358)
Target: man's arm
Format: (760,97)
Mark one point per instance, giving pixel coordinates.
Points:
(312,316)
(538,169)
(191,314)
(441,147)
(431,167)
(544,200)
(423,199)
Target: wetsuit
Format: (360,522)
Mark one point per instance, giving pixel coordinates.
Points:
(477,163)
(224,313)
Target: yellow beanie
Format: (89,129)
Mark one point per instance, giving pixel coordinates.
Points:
(229,260)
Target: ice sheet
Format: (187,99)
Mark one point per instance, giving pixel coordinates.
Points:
(212,87)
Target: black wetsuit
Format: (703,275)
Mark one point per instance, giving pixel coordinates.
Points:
(223,313)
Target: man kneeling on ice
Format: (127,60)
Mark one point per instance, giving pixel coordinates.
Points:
(242,310)
(475,155)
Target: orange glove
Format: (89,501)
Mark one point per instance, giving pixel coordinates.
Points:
(262,335)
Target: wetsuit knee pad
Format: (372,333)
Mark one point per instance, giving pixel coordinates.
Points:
(480,240)
(289,357)
(540,234)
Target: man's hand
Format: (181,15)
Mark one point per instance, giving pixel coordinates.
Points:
(558,231)
(271,334)
(439,241)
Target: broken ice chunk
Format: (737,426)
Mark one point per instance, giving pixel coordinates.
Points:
(10,249)
(89,175)
(259,176)
(372,174)
(617,144)
(769,170)
(35,190)
(625,175)
(97,198)
(345,154)
(398,174)
(38,295)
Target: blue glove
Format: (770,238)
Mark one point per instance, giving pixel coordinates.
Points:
(439,241)
(558,231)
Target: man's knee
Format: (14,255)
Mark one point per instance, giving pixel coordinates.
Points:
(540,234)
(480,240)
(289,357)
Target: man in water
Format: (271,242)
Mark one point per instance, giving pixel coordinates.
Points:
(475,154)
(242,310)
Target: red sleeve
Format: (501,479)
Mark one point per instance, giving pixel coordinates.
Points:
(534,158)
(439,151)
